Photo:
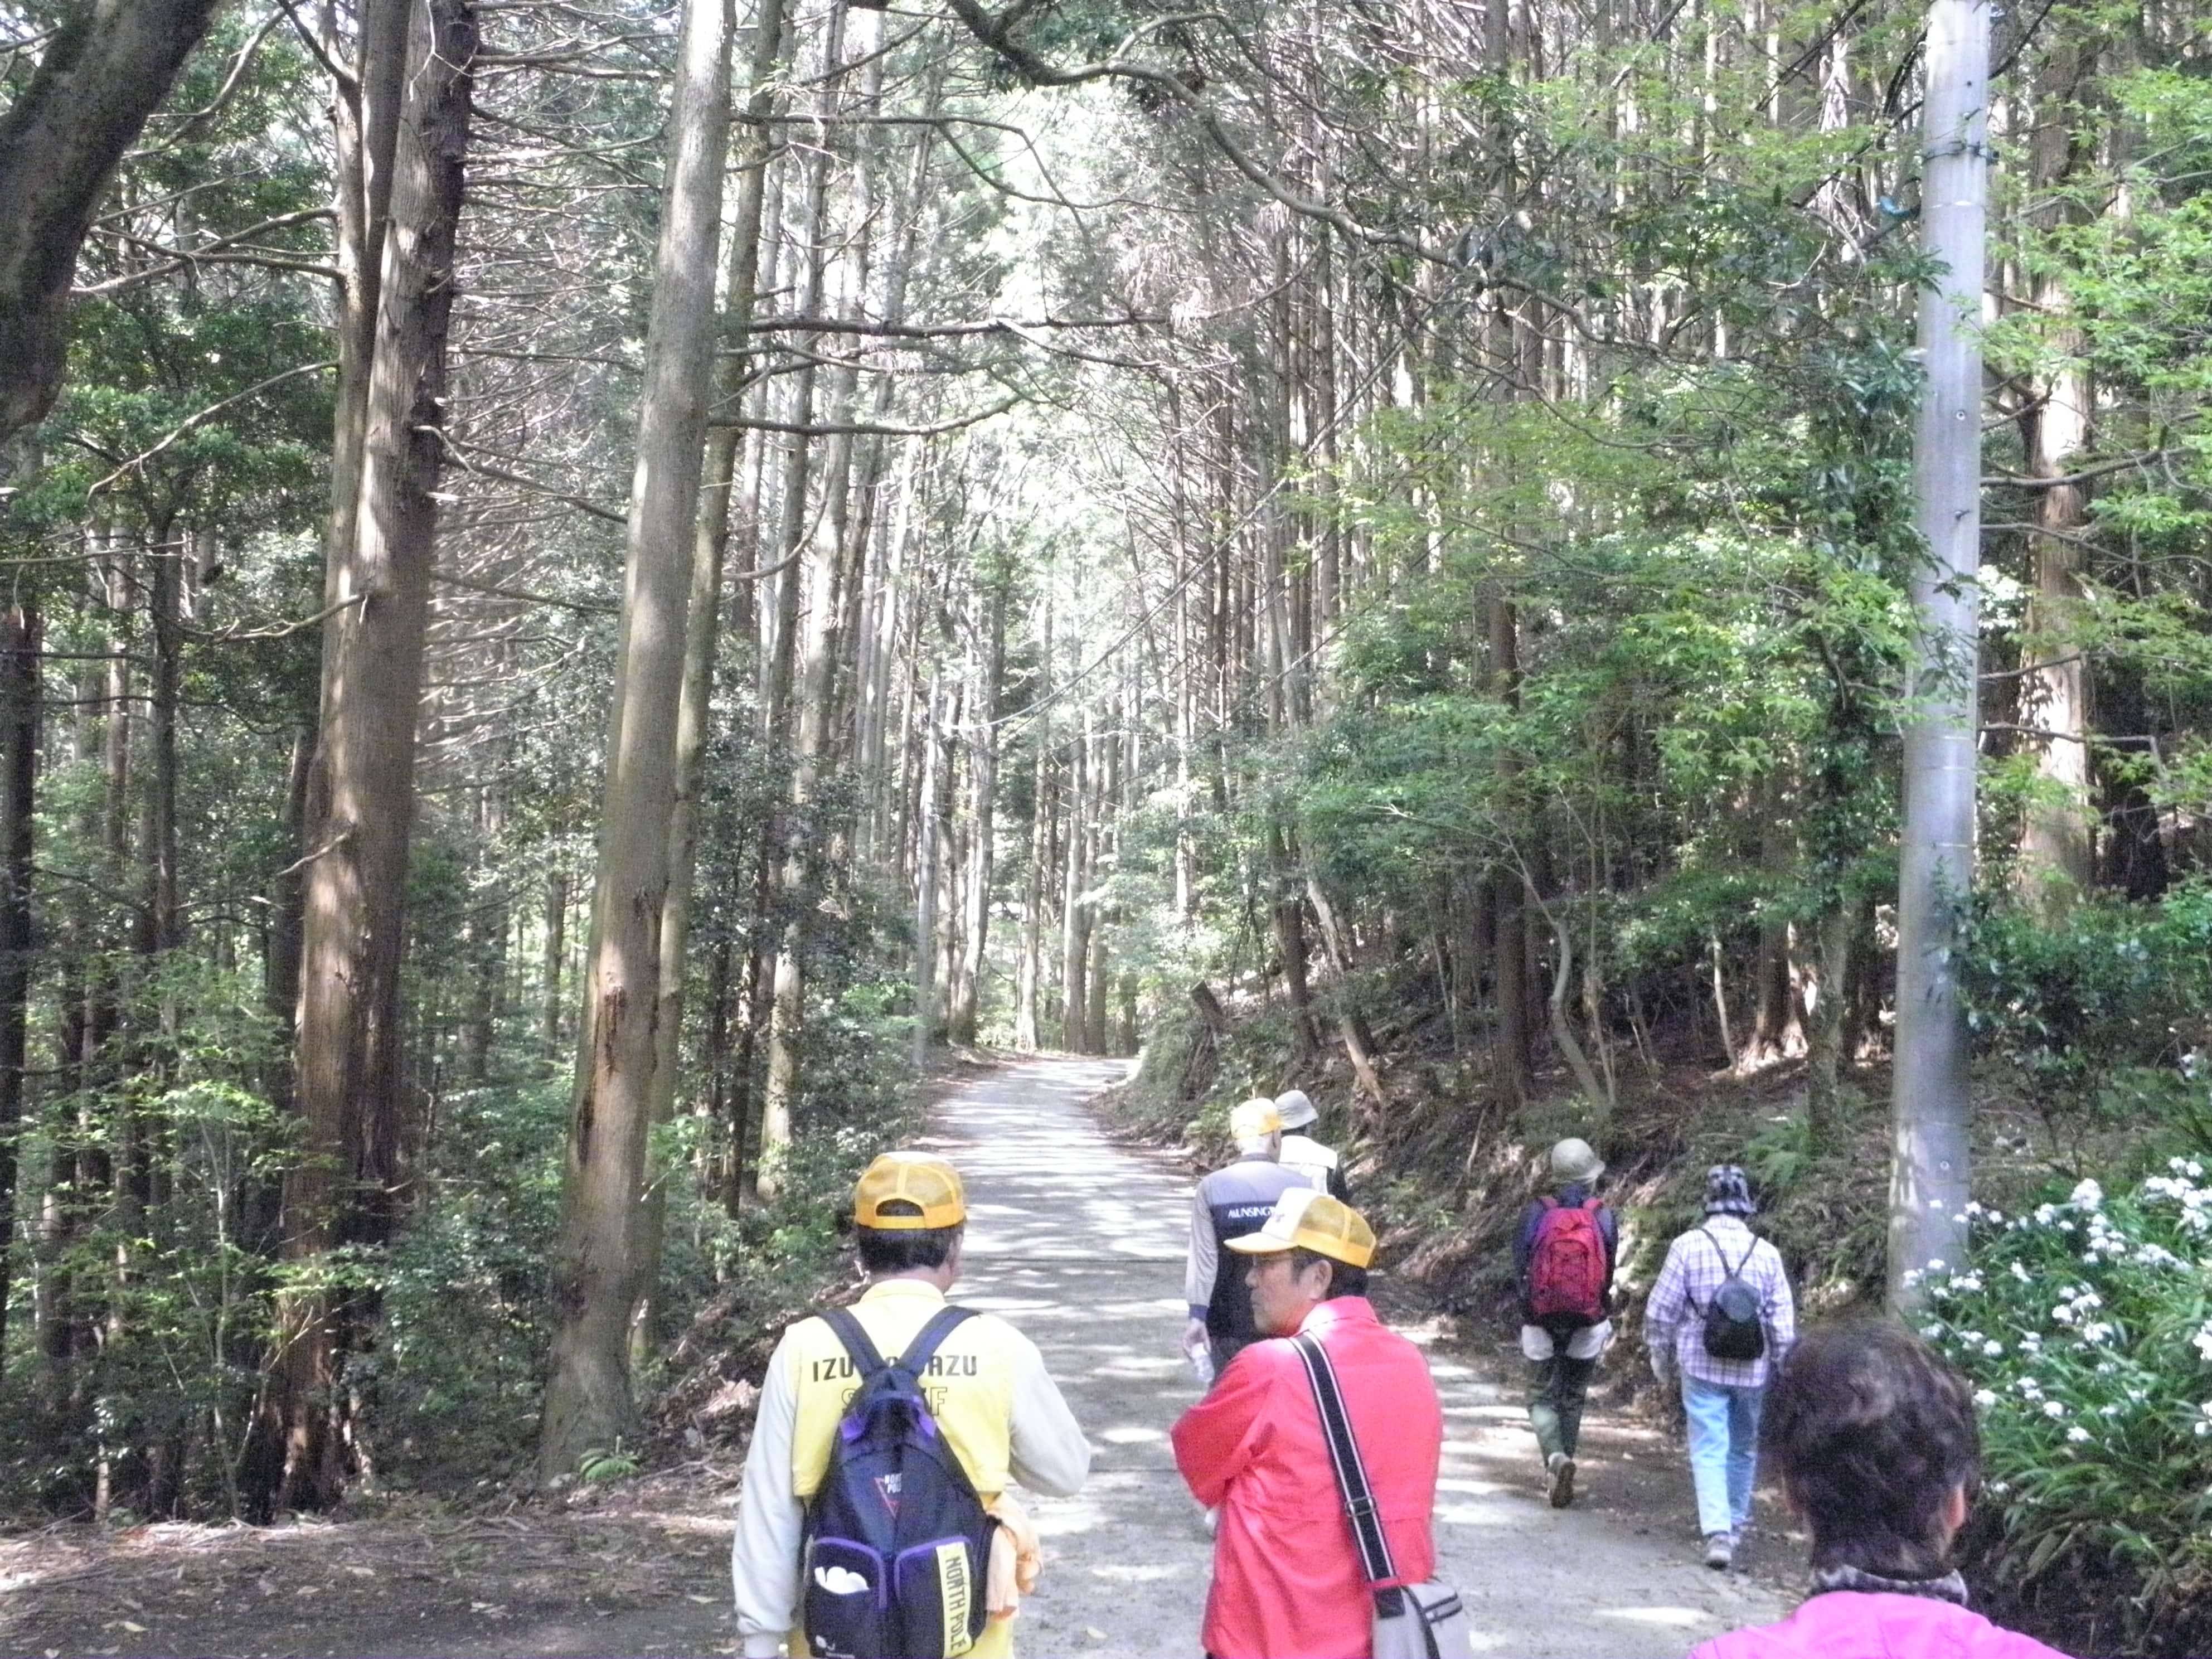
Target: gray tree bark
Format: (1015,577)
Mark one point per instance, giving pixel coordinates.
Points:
(587,1395)
(556,936)
(1075,913)
(701,641)
(983,773)
(926,874)
(1510,978)
(21,635)
(816,577)
(1032,958)
(2057,851)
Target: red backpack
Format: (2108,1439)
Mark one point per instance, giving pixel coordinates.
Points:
(1566,1266)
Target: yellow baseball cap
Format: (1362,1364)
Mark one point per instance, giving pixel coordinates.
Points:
(1303,1219)
(929,1184)
(1255,1118)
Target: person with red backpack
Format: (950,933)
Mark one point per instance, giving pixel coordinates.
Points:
(1562,1261)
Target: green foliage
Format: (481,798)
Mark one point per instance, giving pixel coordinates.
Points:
(1714,625)
(601,1465)
(1777,1157)
(464,1292)
(178,1267)
(2085,1322)
(2102,1010)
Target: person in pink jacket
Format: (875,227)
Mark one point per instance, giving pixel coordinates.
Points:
(1874,1440)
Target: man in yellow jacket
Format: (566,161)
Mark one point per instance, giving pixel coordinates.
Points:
(987,1387)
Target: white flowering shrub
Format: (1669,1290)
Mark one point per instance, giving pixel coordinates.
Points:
(2084,1325)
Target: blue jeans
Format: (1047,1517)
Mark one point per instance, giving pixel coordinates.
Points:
(1723,1451)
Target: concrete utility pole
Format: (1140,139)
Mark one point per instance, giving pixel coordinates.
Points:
(1931,1104)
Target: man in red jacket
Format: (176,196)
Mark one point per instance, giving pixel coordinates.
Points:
(1286,1578)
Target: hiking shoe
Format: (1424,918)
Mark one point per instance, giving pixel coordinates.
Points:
(1563,1478)
(1720,1550)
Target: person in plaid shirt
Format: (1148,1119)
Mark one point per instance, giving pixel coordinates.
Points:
(1720,1397)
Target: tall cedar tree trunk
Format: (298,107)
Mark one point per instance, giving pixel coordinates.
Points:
(556,940)
(1777,1029)
(945,936)
(926,861)
(2056,852)
(1096,999)
(361,792)
(19,644)
(595,1273)
(813,562)
(280,973)
(160,1479)
(163,916)
(1931,1108)
(1825,1041)
(78,1168)
(1509,980)
(1074,914)
(983,773)
(484,949)
(875,538)
(1031,985)
(1286,908)
(702,638)
(754,608)
(1512,1047)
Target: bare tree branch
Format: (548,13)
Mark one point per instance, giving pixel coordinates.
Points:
(466,453)
(874,429)
(194,421)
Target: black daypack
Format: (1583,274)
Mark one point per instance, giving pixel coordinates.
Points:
(1734,1329)
(897,1544)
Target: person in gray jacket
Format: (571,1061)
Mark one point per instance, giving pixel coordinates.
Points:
(1229,1203)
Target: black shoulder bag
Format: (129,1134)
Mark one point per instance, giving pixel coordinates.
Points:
(1413,1621)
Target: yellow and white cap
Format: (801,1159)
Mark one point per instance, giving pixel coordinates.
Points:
(1303,1219)
(1254,1118)
(926,1191)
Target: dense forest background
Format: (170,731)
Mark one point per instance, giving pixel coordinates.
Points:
(595,583)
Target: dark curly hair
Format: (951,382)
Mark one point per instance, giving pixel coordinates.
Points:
(1871,1433)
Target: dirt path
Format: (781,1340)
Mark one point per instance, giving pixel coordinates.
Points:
(1078,1241)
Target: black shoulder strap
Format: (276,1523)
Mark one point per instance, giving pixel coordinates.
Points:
(923,1348)
(1351,1473)
(855,1338)
(1721,1250)
(918,1353)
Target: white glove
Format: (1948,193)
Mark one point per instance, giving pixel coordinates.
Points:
(1198,1350)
